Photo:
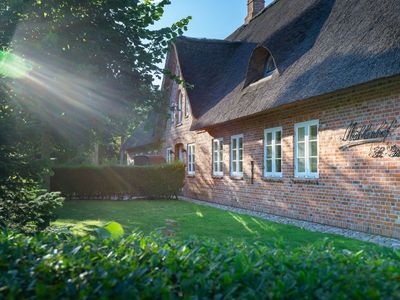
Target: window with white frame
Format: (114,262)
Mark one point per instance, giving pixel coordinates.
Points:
(306,149)
(186,105)
(172,112)
(237,155)
(191,159)
(273,152)
(218,164)
(179,119)
(170,155)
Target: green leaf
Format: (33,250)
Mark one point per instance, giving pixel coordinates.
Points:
(115,229)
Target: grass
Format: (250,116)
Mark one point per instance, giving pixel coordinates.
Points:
(191,221)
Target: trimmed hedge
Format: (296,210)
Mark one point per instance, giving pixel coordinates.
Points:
(165,181)
(50,266)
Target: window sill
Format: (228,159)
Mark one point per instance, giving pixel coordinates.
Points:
(272,178)
(217,176)
(190,175)
(178,125)
(306,180)
(237,177)
(261,80)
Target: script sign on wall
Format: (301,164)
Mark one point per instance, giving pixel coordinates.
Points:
(385,151)
(357,134)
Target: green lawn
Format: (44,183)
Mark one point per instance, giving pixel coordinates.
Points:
(192,221)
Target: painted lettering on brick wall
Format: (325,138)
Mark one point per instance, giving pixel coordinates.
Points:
(385,151)
(357,134)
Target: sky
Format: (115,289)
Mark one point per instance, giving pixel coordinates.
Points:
(211,18)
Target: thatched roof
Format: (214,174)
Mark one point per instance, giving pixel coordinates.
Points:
(146,135)
(319,46)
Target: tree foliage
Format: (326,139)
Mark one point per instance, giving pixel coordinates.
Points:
(90,67)
(72,73)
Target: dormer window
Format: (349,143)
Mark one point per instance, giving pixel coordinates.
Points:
(261,65)
(269,66)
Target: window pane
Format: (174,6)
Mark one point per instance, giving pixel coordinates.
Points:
(234,155)
(313,132)
(300,150)
(269,151)
(234,167)
(301,166)
(221,155)
(269,165)
(241,143)
(220,167)
(278,151)
(314,148)
(278,165)
(234,144)
(240,154)
(269,138)
(300,134)
(240,166)
(314,165)
(278,137)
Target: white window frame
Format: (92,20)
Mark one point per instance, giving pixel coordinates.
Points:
(186,105)
(274,143)
(307,173)
(237,162)
(179,106)
(169,155)
(191,159)
(219,171)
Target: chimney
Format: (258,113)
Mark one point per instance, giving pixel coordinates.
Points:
(253,8)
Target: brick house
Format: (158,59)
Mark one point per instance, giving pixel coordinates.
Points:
(296,113)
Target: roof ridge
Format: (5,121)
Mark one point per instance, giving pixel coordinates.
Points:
(206,40)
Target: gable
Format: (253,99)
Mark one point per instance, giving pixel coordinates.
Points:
(319,47)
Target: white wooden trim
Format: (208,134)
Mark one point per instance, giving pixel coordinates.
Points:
(306,173)
(221,144)
(273,131)
(237,173)
(168,157)
(191,151)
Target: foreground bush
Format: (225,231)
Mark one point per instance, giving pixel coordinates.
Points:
(84,182)
(28,208)
(151,267)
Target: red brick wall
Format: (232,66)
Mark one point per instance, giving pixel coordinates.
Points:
(353,191)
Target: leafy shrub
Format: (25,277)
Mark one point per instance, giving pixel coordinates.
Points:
(90,182)
(50,266)
(27,207)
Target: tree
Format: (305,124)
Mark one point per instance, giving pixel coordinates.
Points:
(89,68)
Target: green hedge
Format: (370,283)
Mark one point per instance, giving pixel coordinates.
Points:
(149,267)
(92,182)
